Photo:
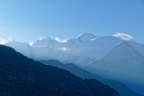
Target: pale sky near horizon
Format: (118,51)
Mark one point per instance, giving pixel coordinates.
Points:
(27,20)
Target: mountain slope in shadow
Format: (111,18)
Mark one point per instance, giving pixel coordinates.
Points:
(120,87)
(21,76)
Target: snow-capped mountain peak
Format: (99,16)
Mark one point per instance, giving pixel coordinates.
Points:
(43,42)
(86,36)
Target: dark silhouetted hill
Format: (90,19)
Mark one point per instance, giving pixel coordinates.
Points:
(21,76)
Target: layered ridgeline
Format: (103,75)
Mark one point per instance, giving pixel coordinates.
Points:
(78,51)
(90,51)
(20,76)
(120,87)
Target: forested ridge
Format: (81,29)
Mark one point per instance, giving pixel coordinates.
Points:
(21,76)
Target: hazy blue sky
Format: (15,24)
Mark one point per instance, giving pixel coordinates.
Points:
(26,20)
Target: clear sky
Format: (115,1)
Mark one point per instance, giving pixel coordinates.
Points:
(27,20)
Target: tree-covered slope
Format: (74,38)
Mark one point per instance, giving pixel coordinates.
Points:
(20,76)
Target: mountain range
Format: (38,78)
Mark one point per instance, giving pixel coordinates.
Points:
(107,56)
(77,50)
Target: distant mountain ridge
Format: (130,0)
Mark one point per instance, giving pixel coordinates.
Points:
(77,50)
(104,56)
